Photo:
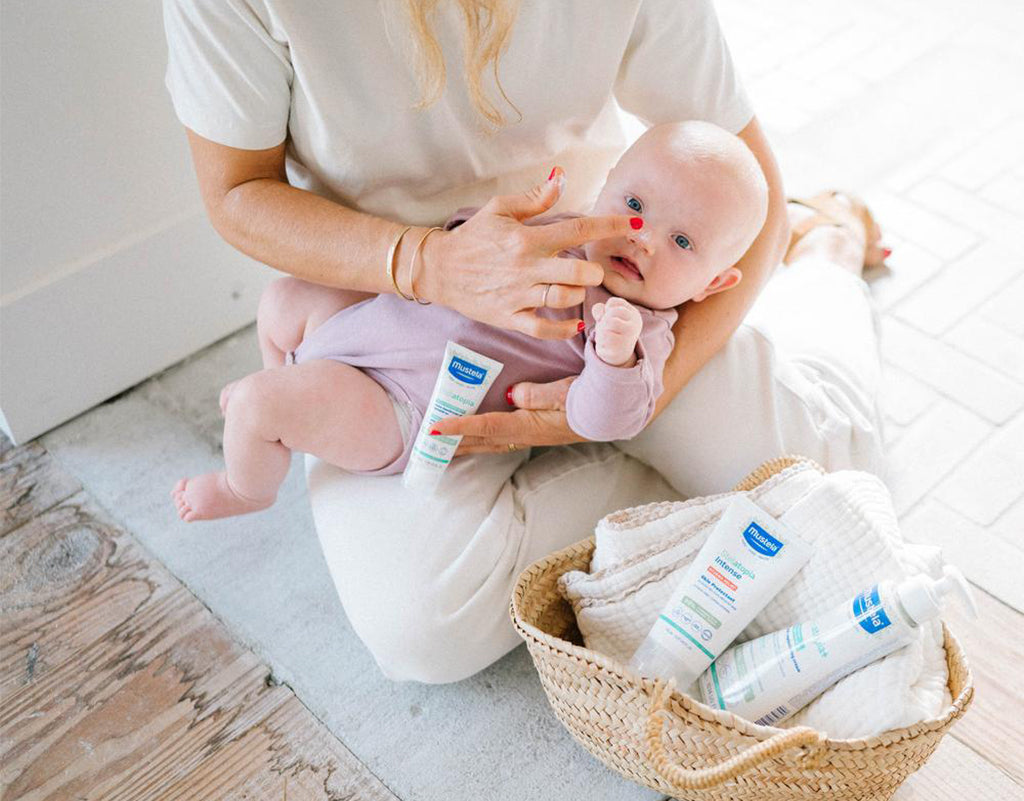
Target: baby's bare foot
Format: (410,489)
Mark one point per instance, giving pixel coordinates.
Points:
(224,395)
(209,496)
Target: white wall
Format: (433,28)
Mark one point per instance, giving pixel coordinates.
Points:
(109,271)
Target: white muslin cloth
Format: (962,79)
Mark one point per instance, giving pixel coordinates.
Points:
(849,520)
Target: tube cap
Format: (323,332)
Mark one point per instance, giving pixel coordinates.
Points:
(921,595)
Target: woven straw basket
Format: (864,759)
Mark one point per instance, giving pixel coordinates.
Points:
(669,742)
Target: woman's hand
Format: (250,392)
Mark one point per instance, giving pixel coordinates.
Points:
(539,420)
(495,269)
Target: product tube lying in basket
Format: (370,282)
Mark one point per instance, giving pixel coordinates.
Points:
(771,678)
(743,564)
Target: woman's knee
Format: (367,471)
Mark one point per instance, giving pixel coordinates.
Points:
(411,640)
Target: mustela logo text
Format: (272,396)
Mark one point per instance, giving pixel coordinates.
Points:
(466,372)
(761,541)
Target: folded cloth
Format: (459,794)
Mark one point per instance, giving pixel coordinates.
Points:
(641,554)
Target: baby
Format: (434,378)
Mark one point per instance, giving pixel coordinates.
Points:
(355,390)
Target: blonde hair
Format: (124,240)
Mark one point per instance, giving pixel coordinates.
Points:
(488,26)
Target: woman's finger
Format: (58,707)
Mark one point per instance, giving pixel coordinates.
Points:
(524,428)
(490,425)
(559,296)
(527,395)
(568,272)
(570,233)
(470,445)
(536,200)
(526,321)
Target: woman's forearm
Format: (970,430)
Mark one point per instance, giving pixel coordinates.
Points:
(313,238)
(703,328)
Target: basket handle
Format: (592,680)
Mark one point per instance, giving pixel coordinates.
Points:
(699,779)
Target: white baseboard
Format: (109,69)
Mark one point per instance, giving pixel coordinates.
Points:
(100,329)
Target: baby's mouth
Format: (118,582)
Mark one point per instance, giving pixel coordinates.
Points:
(626,267)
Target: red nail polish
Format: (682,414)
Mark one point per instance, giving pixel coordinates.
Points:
(636,223)
(508,396)
(434,433)
(580,326)
(553,169)
(886,252)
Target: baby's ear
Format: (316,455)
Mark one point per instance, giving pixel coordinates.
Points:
(726,279)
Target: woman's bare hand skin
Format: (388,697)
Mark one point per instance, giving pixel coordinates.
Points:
(495,269)
(539,420)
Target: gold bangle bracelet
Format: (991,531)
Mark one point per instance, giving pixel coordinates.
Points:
(412,267)
(389,267)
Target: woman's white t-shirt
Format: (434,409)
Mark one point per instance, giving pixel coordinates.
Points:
(326,76)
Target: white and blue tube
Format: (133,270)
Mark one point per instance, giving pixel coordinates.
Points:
(744,562)
(461,385)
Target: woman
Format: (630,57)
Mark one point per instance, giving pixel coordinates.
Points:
(312,157)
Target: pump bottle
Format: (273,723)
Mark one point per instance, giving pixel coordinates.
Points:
(771,678)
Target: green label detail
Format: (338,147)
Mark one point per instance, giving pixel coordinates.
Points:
(718,689)
(431,457)
(686,634)
(741,672)
(700,610)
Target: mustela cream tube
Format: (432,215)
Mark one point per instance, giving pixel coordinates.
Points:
(743,564)
(463,380)
(773,677)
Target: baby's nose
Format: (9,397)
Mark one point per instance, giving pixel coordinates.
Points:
(641,239)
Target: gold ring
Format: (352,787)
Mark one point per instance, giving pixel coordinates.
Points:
(511,447)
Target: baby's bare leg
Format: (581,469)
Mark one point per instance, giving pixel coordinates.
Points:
(323,407)
(289,310)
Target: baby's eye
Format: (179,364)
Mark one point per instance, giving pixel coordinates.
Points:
(638,208)
(683,242)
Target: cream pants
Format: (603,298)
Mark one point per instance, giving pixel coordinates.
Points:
(426,582)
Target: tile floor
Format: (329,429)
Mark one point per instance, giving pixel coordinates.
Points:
(919,107)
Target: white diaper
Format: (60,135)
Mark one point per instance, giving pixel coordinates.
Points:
(848,518)
(404,415)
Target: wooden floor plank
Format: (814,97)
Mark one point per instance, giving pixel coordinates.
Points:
(31,481)
(117,683)
(994,644)
(289,755)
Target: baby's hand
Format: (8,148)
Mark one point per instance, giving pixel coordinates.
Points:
(618,329)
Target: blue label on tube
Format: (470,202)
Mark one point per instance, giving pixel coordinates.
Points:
(466,372)
(870,614)
(761,541)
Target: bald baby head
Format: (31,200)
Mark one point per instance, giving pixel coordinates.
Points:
(705,161)
(703,200)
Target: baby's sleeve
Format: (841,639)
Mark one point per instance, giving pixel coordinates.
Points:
(608,403)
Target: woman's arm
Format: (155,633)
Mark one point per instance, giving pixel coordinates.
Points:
(250,203)
(492,268)
(703,328)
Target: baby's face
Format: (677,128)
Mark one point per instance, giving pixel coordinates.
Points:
(696,226)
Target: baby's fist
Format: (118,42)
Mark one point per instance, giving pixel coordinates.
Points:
(617,331)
